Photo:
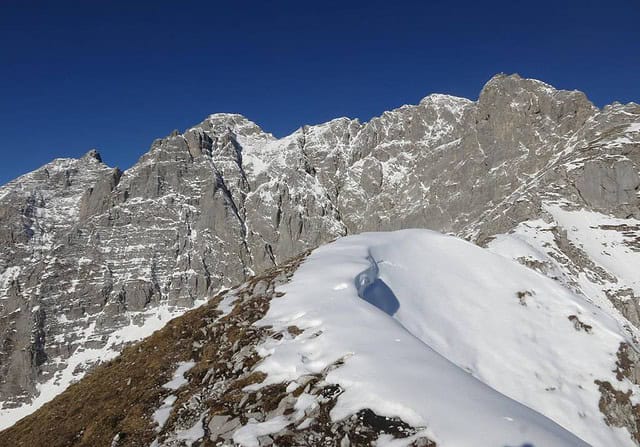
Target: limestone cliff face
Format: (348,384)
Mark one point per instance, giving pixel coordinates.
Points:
(88,250)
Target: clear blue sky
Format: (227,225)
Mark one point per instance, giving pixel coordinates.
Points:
(117,74)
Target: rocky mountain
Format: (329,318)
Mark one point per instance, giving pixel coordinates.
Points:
(93,257)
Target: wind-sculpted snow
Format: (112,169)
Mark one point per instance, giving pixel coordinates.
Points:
(89,251)
(481,351)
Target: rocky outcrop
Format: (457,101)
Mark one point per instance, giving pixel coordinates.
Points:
(616,405)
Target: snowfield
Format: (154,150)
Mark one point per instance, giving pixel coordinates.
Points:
(474,347)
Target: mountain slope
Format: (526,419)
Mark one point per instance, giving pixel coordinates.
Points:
(400,338)
(209,207)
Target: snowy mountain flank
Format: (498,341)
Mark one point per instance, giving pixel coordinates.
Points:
(518,328)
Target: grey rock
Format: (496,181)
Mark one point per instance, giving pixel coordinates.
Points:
(608,185)
(222,427)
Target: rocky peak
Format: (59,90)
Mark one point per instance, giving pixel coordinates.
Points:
(454,104)
(533,97)
(219,123)
(92,154)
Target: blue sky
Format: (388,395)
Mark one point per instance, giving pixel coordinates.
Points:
(115,75)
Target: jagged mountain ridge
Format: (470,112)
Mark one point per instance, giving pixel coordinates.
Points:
(207,208)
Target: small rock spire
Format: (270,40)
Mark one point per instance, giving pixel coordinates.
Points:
(93,153)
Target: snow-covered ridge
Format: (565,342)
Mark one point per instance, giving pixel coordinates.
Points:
(477,350)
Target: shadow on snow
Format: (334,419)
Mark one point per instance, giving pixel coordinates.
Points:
(375,291)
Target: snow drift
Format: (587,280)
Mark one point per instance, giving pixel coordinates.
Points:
(470,345)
